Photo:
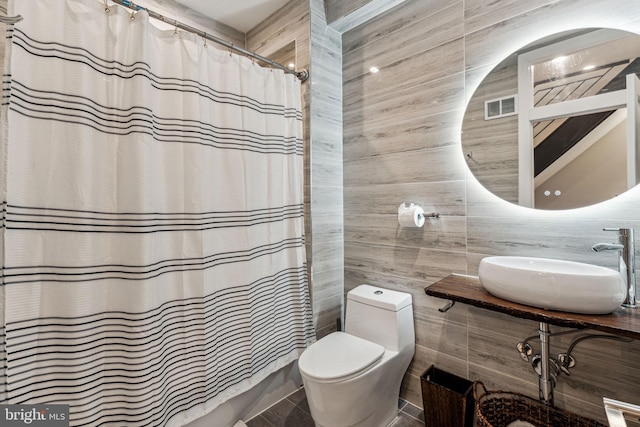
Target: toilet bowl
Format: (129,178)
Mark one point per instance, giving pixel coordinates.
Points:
(352,378)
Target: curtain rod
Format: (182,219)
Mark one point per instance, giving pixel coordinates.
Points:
(302,75)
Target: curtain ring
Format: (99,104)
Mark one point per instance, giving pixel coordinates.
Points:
(175,30)
(230,50)
(133,7)
(204,39)
(106,8)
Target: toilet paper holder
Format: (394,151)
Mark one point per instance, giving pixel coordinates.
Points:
(425,214)
(431,215)
(422,215)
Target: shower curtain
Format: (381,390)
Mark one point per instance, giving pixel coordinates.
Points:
(154,260)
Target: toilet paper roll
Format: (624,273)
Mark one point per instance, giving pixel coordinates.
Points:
(410,216)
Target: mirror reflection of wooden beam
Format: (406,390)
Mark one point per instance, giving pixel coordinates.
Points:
(578,107)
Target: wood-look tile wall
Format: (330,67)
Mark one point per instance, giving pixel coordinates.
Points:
(326,172)
(402,144)
(343,15)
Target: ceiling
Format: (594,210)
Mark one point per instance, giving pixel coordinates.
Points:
(242,15)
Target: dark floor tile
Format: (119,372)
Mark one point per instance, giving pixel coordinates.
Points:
(405,420)
(259,421)
(413,411)
(286,414)
(293,411)
(299,398)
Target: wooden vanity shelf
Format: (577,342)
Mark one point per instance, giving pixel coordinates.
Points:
(468,290)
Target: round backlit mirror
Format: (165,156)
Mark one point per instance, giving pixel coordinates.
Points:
(555,124)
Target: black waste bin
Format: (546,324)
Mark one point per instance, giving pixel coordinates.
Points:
(447,398)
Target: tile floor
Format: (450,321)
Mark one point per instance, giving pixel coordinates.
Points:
(293,411)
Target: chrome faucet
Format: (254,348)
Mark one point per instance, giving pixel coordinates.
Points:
(626,260)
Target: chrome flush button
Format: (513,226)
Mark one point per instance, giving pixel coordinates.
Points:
(378,292)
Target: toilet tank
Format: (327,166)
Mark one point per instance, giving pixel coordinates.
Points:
(380,315)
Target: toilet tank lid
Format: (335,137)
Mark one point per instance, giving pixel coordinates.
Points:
(380,297)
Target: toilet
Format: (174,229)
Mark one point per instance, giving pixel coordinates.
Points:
(353,378)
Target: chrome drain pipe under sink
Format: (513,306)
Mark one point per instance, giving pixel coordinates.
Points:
(546,381)
(547,368)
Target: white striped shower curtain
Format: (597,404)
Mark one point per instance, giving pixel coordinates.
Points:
(153,242)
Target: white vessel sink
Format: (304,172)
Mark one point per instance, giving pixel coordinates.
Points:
(553,284)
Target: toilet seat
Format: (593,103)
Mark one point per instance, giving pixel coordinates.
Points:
(338,357)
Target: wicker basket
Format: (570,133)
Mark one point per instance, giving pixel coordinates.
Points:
(497,408)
